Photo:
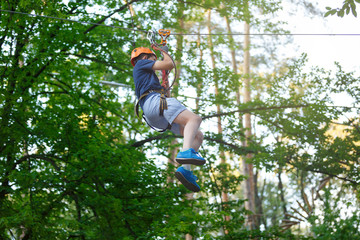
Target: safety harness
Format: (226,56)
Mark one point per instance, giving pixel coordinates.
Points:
(164,34)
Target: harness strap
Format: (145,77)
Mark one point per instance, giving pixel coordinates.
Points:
(163,103)
(156,129)
(163,106)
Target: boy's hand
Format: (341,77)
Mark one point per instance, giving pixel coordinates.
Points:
(166,63)
(159,48)
(165,48)
(156,48)
(162,49)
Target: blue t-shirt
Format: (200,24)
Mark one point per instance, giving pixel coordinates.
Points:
(145,78)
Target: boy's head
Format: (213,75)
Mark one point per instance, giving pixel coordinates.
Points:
(141,53)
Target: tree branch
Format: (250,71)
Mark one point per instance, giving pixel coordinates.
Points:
(55,92)
(249,110)
(37,156)
(150,139)
(238,149)
(106,17)
(332,175)
(310,168)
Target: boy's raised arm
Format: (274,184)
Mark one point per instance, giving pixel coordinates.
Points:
(165,64)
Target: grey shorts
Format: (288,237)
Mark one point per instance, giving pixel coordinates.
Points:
(151,109)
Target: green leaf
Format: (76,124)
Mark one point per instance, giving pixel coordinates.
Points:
(331,12)
(341,13)
(353,9)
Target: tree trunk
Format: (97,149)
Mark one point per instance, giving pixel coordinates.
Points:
(200,82)
(174,91)
(258,203)
(224,194)
(233,54)
(282,195)
(133,14)
(188,237)
(189,196)
(248,167)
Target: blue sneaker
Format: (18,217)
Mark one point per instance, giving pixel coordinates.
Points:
(187,178)
(190,156)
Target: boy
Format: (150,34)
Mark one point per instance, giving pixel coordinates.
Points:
(175,118)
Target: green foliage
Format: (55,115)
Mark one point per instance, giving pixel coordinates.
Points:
(336,223)
(71,161)
(66,168)
(348,5)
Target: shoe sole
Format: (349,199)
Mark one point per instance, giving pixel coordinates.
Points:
(192,161)
(186,183)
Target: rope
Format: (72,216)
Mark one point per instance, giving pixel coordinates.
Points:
(186,34)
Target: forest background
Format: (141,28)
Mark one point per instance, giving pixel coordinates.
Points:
(282,157)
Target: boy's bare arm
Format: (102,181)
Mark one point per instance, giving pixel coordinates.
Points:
(165,64)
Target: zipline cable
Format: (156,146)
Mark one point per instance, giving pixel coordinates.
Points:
(185,34)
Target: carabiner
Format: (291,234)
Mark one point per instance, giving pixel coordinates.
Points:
(151,36)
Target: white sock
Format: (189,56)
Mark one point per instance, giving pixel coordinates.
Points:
(187,167)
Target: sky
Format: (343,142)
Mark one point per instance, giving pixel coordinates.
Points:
(323,51)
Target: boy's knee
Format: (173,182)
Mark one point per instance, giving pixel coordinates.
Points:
(197,118)
(200,136)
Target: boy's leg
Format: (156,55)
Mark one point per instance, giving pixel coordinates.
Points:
(189,128)
(199,137)
(191,123)
(184,173)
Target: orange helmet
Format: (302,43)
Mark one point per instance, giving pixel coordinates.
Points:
(137,51)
